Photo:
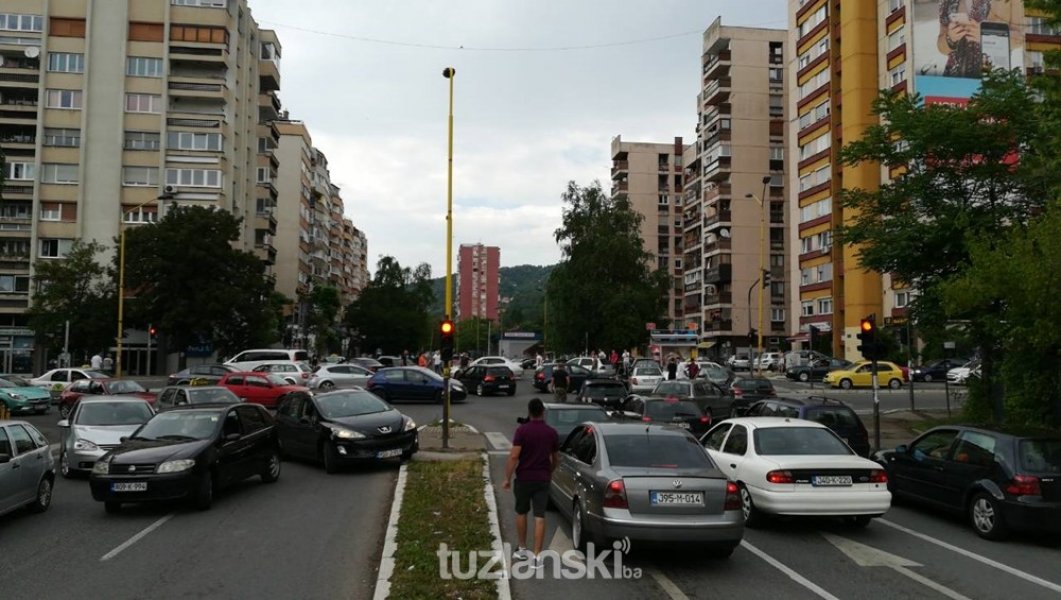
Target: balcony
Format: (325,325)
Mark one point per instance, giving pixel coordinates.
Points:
(719,244)
(265,220)
(195,89)
(16,190)
(268,76)
(717,191)
(11,261)
(13,139)
(719,326)
(723,216)
(717,91)
(717,65)
(720,298)
(720,274)
(620,186)
(717,169)
(19,79)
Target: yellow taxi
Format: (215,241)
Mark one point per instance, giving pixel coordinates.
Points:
(860,374)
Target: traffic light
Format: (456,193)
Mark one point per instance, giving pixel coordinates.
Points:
(870,346)
(151,330)
(766,277)
(446,330)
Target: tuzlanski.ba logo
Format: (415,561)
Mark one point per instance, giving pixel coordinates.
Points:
(570,564)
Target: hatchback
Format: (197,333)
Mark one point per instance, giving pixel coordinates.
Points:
(834,414)
(606,392)
(488,379)
(96,426)
(413,384)
(747,390)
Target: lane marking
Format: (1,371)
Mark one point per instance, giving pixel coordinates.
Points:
(925,581)
(868,556)
(668,586)
(498,452)
(390,544)
(498,440)
(983,559)
(794,576)
(503,587)
(136,538)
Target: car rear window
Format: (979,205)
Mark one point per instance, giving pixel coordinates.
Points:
(672,387)
(1041,456)
(601,390)
(754,384)
(648,450)
(670,410)
(798,441)
(833,416)
(499,371)
(647,372)
(572,417)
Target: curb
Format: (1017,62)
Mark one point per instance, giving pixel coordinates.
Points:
(390,544)
(504,591)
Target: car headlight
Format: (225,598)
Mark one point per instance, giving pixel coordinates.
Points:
(16,396)
(409,424)
(346,434)
(80,444)
(101,467)
(176,466)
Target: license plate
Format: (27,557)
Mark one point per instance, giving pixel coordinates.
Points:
(677,498)
(682,424)
(129,486)
(502,387)
(827,480)
(389,453)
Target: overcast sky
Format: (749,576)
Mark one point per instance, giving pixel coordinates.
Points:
(528,117)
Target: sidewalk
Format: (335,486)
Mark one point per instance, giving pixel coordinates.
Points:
(462,439)
(900,427)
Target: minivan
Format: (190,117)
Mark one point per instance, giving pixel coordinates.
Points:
(248,359)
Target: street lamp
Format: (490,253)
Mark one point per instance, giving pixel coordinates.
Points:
(121,276)
(449,73)
(762,270)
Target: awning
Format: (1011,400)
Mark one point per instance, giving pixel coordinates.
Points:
(803,337)
(705,345)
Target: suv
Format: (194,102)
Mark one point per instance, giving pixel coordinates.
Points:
(609,393)
(770,361)
(829,412)
(248,359)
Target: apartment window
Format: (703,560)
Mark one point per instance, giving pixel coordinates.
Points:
(818,177)
(777,260)
(14,284)
(66,62)
(777,152)
(146,32)
(806,276)
(203,3)
(20,171)
(818,144)
(142,140)
(777,314)
(59,173)
(54,248)
(194,177)
(16,22)
(66,99)
(807,308)
(191,33)
(140,215)
(263,175)
(897,75)
(817,17)
(897,38)
(903,299)
(662,200)
(140,176)
(814,115)
(825,306)
(776,74)
(51,211)
(143,66)
(184,140)
(15,210)
(812,84)
(1040,26)
(818,209)
(266,145)
(824,272)
(143,103)
(894,5)
(777,288)
(66,27)
(70,138)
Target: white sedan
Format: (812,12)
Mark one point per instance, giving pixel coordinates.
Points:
(795,467)
(515,367)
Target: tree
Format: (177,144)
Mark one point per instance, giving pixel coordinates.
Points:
(606,286)
(324,303)
(391,313)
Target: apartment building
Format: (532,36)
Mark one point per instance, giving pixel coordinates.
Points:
(842,56)
(649,176)
(104,106)
(478,281)
(734,233)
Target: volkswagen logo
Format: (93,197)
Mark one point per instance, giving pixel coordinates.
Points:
(132,468)
(677,483)
(384,429)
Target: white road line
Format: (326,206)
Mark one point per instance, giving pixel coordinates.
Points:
(925,581)
(498,440)
(794,576)
(136,538)
(390,544)
(669,587)
(983,559)
(498,452)
(504,591)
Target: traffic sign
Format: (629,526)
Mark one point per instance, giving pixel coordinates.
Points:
(650,326)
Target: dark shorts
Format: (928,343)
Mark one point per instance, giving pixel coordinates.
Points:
(529,493)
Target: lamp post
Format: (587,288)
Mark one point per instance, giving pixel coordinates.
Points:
(121,277)
(762,270)
(449,73)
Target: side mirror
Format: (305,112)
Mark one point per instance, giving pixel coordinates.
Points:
(64,423)
(5,458)
(901,449)
(231,437)
(123,439)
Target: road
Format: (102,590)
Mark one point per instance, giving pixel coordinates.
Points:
(927,396)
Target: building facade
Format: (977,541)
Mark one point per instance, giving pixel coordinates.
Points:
(478,282)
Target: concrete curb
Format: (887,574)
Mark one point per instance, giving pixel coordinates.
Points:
(390,542)
(504,591)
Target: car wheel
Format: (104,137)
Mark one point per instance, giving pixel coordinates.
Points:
(44,496)
(271,472)
(479,390)
(204,496)
(331,458)
(280,448)
(927,378)
(845,384)
(985,513)
(440,397)
(327,386)
(859,521)
(804,376)
(64,411)
(64,465)
(753,517)
(578,530)
(112,507)
(721,551)
(895,384)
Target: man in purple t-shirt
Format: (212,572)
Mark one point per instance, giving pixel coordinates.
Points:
(535,453)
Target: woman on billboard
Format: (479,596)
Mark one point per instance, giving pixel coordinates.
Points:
(974,35)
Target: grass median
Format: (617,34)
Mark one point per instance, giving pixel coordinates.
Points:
(443,504)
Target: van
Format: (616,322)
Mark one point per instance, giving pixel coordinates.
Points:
(248,359)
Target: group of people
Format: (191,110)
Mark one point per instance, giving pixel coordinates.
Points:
(428,360)
(678,369)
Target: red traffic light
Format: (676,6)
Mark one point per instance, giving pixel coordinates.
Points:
(152,331)
(447,327)
(868,325)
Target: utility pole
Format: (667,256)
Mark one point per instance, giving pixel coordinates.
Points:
(449,73)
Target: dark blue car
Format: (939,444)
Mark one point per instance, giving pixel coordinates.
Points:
(832,413)
(413,384)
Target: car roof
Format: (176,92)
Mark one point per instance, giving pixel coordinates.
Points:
(614,428)
(195,387)
(1009,430)
(14,422)
(211,406)
(764,422)
(110,399)
(603,381)
(809,401)
(580,406)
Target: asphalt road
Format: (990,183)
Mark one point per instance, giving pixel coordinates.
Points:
(927,396)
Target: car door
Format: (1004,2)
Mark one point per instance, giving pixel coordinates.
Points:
(29,461)
(9,473)
(918,471)
(973,459)
(167,399)
(234,455)
(286,423)
(863,376)
(563,479)
(732,457)
(257,434)
(237,384)
(713,439)
(260,390)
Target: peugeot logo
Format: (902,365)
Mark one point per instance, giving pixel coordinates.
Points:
(384,429)
(677,483)
(132,468)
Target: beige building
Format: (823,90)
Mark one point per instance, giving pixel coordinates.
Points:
(733,204)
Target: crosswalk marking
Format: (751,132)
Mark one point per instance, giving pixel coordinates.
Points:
(498,440)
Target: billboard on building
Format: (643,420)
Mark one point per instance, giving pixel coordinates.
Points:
(955,41)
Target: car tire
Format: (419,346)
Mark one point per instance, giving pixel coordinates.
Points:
(331,458)
(112,507)
(985,515)
(271,471)
(579,536)
(720,551)
(44,495)
(327,386)
(804,376)
(753,517)
(845,384)
(895,384)
(204,495)
(479,390)
(927,378)
(64,411)
(858,521)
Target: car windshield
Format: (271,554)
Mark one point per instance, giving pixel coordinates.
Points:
(655,451)
(125,386)
(277,380)
(565,419)
(798,441)
(648,372)
(749,385)
(15,381)
(1041,455)
(832,416)
(191,424)
(670,410)
(350,404)
(108,414)
(211,395)
(430,374)
(600,391)
(6,384)
(672,387)
(713,371)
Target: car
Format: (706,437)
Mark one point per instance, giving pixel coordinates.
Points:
(936,370)
(56,380)
(1001,479)
(393,361)
(295,373)
(834,414)
(416,384)
(27,468)
(711,399)
(18,396)
(188,453)
(208,374)
(714,372)
(644,482)
(640,362)
(367,362)
(665,411)
(860,374)
(769,361)
(644,377)
(793,467)
(344,426)
(499,361)
(576,375)
(960,375)
(746,390)
(488,379)
(69,397)
(606,392)
(739,362)
(565,417)
(248,359)
(345,375)
(188,395)
(260,388)
(599,368)
(816,369)
(97,425)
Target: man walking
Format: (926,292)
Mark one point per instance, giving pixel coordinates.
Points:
(560,382)
(96,362)
(672,369)
(534,455)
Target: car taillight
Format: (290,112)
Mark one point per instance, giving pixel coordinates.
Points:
(705,419)
(615,495)
(539,376)
(878,476)
(780,477)
(488,378)
(732,497)
(646,419)
(1024,485)
(737,392)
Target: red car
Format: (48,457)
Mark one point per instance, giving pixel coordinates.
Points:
(261,388)
(100,387)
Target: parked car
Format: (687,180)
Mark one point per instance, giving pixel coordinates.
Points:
(599,368)
(816,369)
(208,374)
(1001,479)
(367,362)
(97,425)
(798,468)
(499,361)
(739,362)
(711,399)
(330,377)
(295,373)
(69,397)
(416,384)
(344,426)
(189,395)
(960,375)
(860,374)
(488,379)
(18,396)
(617,480)
(56,380)
(747,390)
(27,468)
(260,388)
(683,414)
(936,370)
(644,378)
(565,417)
(834,414)
(640,362)
(714,373)
(543,376)
(248,359)
(188,453)
(609,393)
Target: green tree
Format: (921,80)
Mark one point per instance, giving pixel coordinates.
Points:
(392,311)
(606,286)
(325,303)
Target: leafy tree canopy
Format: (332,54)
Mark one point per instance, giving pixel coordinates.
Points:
(391,314)
(75,289)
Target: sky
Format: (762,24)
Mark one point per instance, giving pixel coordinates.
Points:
(534,108)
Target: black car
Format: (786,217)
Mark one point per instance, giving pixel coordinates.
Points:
(936,370)
(816,369)
(748,390)
(488,379)
(576,375)
(181,395)
(1001,479)
(667,411)
(712,399)
(369,363)
(342,427)
(832,413)
(606,392)
(188,453)
(565,417)
(201,374)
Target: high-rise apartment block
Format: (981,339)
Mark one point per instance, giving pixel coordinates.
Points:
(478,281)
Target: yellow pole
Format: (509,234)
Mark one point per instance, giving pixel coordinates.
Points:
(121,296)
(762,280)
(448,73)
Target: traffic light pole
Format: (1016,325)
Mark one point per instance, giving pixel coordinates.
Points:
(876,407)
(449,73)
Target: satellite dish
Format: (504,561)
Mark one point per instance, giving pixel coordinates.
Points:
(723,233)
(32,52)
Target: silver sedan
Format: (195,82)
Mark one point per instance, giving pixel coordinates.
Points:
(330,377)
(27,469)
(644,482)
(97,425)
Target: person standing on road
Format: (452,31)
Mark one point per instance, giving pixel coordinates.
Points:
(538,360)
(97,362)
(672,369)
(437,360)
(534,455)
(108,365)
(560,383)
(692,369)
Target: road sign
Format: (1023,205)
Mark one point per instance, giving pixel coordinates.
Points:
(691,326)
(650,326)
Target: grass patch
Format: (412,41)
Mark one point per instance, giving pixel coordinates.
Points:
(443,503)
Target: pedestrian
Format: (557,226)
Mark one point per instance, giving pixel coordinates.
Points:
(534,455)
(437,362)
(692,369)
(464,360)
(108,365)
(97,362)
(626,362)
(672,369)
(560,382)
(405,358)
(422,359)
(538,360)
